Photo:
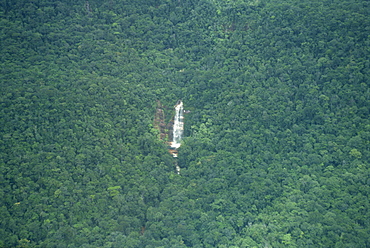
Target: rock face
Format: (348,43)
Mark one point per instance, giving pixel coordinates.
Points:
(159,122)
(172,132)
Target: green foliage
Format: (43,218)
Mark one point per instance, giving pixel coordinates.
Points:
(276,152)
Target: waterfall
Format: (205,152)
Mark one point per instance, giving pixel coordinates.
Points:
(178,125)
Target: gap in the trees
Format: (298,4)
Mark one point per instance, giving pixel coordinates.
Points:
(171,133)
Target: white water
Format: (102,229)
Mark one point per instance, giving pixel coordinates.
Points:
(178,125)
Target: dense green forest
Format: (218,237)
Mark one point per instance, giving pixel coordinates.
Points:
(277,142)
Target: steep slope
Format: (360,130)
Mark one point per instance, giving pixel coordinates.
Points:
(276,147)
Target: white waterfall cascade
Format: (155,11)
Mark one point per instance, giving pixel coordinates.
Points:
(178,125)
(178,130)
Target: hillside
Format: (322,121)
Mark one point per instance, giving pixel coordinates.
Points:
(277,142)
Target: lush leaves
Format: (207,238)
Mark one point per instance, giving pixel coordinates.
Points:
(276,152)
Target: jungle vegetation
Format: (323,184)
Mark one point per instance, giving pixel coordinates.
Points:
(277,142)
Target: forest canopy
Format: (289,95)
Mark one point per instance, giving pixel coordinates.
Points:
(277,139)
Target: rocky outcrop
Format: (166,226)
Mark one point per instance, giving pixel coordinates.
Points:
(170,133)
(159,122)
